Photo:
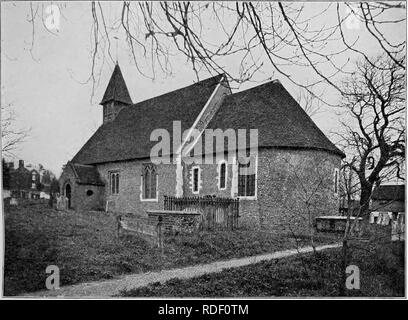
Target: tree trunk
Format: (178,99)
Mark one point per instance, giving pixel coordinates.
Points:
(343,278)
(365,195)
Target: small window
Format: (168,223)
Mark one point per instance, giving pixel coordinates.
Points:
(246,179)
(108,110)
(114,182)
(149,181)
(89,193)
(336,181)
(222,175)
(196,176)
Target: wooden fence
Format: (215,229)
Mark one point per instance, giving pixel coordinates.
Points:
(216,213)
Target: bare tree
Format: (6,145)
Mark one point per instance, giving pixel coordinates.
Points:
(311,182)
(374,133)
(265,38)
(11,136)
(349,189)
(311,103)
(349,186)
(374,138)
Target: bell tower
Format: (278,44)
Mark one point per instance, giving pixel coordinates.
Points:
(116,96)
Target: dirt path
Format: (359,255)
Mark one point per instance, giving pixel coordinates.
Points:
(112,287)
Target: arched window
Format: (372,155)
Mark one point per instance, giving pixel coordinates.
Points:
(336,181)
(114,182)
(149,181)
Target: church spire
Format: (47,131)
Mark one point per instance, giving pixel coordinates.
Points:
(116,95)
(116,90)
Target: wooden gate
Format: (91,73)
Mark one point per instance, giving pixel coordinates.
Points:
(216,213)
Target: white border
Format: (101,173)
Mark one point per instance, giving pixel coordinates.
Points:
(336,185)
(157,190)
(109,184)
(255,197)
(200,115)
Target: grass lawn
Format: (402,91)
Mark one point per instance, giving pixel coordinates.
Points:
(381,275)
(85,247)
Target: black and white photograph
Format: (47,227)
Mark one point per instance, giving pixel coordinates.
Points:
(203,150)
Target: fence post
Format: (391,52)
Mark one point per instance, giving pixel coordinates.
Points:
(237,213)
(228,217)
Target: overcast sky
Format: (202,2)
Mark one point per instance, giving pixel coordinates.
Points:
(46,84)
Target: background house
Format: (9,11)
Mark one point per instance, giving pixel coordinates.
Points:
(26,181)
(388,198)
(388,207)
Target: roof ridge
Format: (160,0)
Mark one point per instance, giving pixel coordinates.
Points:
(274,81)
(179,89)
(83,165)
(282,102)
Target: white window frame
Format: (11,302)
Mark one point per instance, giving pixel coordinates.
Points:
(198,180)
(255,196)
(220,163)
(142,199)
(114,172)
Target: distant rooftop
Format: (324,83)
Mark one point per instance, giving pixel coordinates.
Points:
(389,192)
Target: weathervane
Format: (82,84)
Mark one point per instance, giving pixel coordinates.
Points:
(116,38)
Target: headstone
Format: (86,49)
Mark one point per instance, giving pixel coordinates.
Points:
(13,202)
(110,206)
(398,227)
(61,202)
(65,203)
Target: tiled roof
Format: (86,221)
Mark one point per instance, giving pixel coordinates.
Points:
(389,192)
(128,135)
(280,120)
(87,174)
(116,89)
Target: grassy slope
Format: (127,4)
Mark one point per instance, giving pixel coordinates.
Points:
(85,248)
(381,271)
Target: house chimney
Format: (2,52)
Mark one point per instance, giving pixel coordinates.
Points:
(21,163)
(11,165)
